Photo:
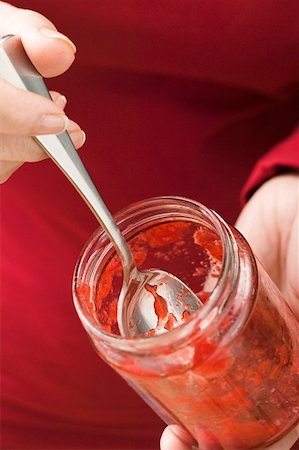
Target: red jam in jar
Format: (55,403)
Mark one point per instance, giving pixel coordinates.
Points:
(228,373)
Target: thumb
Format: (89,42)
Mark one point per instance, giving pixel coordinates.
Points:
(51,52)
(175,437)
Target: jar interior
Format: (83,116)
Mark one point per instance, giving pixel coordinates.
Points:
(185,244)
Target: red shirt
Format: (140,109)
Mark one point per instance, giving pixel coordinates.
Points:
(176,97)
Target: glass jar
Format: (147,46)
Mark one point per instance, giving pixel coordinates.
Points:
(229,373)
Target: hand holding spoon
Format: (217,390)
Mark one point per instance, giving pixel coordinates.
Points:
(133,314)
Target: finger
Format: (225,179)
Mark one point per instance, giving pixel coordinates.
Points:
(269,221)
(7,168)
(287,441)
(253,224)
(51,52)
(27,113)
(175,437)
(59,99)
(26,149)
(208,441)
(34,154)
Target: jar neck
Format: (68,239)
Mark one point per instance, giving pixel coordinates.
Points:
(230,269)
(232,300)
(230,293)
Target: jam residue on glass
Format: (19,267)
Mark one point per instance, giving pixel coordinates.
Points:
(240,395)
(191,253)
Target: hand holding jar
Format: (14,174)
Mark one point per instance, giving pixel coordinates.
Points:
(270,223)
(229,374)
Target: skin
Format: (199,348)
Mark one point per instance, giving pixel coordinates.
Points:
(52,53)
(269,221)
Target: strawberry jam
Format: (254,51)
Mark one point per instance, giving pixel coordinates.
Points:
(229,373)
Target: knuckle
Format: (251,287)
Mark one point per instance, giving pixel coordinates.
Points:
(28,14)
(18,149)
(33,151)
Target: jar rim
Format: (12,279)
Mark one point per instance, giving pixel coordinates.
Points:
(229,269)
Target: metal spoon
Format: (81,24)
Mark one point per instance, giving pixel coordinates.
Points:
(135,311)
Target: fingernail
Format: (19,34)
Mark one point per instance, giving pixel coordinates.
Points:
(53,123)
(78,137)
(61,101)
(183,436)
(49,32)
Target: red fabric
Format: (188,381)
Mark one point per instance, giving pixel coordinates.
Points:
(282,158)
(177,97)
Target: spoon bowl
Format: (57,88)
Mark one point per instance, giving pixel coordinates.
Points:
(154,302)
(148,298)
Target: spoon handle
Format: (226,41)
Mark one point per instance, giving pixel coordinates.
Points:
(16,68)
